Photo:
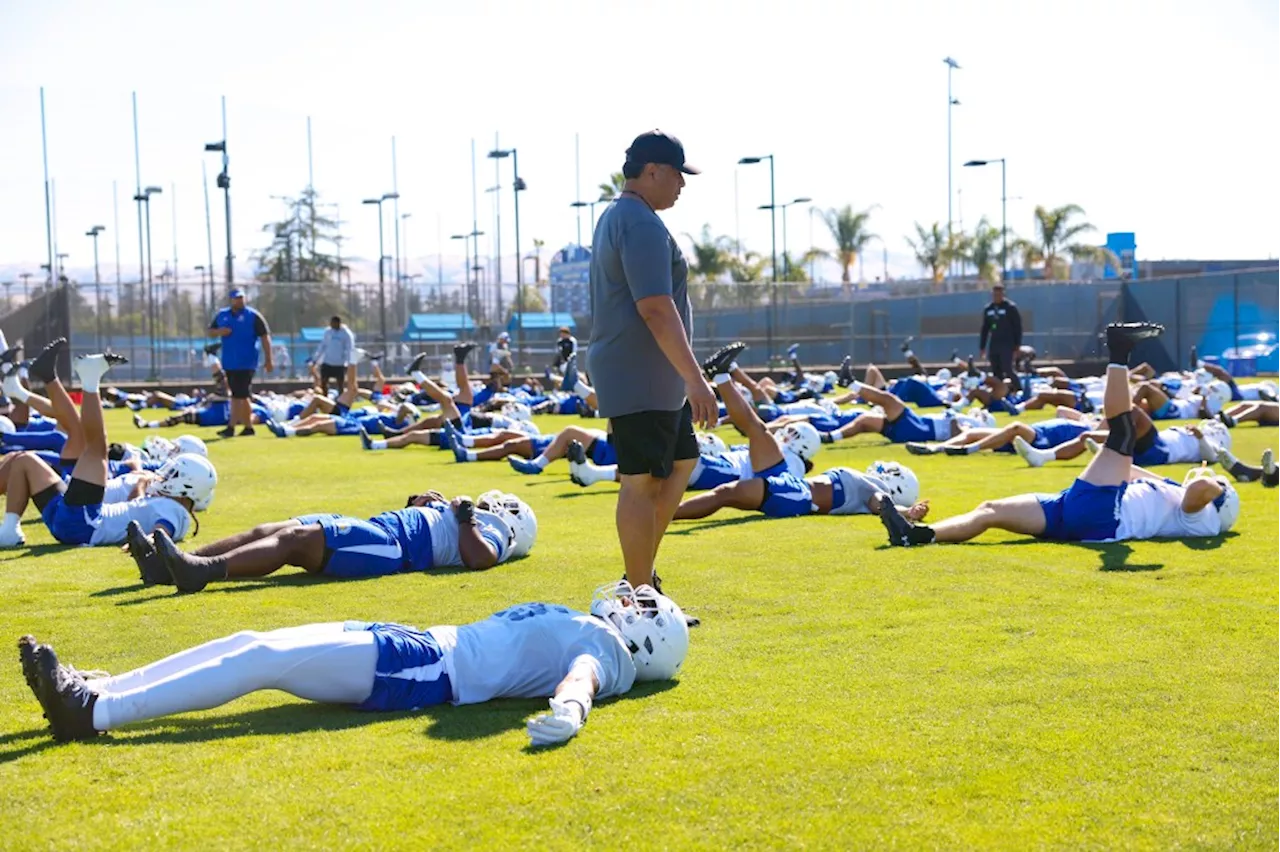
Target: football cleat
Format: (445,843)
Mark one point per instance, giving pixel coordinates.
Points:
(66,699)
(44,365)
(151,568)
(722,358)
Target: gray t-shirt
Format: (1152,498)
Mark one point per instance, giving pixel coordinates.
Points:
(634,257)
(852,490)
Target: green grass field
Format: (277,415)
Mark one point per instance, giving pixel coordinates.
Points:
(839,694)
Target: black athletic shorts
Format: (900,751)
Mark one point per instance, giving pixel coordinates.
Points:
(337,372)
(240,382)
(653,441)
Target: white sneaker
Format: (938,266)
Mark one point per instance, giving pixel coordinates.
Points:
(12,538)
(1028,453)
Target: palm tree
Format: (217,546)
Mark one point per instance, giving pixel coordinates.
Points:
(538,245)
(932,250)
(1054,234)
(796,269)
(981,250)
(711,259)
(613,187)
(849,230)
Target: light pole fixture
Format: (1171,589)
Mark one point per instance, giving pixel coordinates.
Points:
(224,184)
(382,280)
(467,239)
(97,281)
(773,240)
(145,198)
(786,259)
(952,65)
(518,186)
(1004,202)
(592,206)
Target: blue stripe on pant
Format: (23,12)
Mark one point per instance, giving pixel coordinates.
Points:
(411,671)
(356,547)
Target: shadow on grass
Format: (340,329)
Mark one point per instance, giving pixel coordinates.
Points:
(690,527)
(445,722)
(37,550)
(588,492)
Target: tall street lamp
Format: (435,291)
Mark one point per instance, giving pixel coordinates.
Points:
(592,206)
(97,281)
(786,259)
(467,240)
(1004,201)
(773,241)
(224,184)
(382,279)
(144,198)
(518,186)
(952,65)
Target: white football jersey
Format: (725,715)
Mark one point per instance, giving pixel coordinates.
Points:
(1181,445)
(1186,409)
(525,651)
(113,519)
(443,527)
(1152,508)
(118,488)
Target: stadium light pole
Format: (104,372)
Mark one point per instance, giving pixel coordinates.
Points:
(224,184)
(97,282)
(1004,201)
(773,241)
(382,280)
(786,260)
(952,65)
(472,236)
(152,314)
(518,186)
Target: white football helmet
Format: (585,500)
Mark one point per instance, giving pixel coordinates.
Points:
(186,475)
(1216,432)
(829,378)
(802,439)
(711,445)
(6,426)
(517,411)
(202,504)
(1202,377)
(1217,396)
(158,449)
(653,626)
(516,514)
(943,375)
(1229,511)
(904,487)
(191,444)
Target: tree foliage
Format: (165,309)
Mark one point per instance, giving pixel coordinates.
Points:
(849,229)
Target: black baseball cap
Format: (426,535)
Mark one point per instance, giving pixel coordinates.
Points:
(658,147)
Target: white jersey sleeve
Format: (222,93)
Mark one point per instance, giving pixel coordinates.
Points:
(525,651)
(1181,445)
(118,488)
(1152,508)
(443,526)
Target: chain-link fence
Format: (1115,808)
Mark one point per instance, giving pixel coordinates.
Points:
(161,329)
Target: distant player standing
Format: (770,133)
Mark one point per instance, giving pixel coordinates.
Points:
(640,359)
(336,351)
(242,330)
(1001,333)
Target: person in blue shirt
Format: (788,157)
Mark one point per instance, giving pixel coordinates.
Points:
(243,331)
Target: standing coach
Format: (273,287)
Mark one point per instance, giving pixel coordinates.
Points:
(336,352)
(640,357)
(1002,332)
(243,330)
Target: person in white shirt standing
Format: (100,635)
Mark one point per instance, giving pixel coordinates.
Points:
(534,650)
(1113,500)
(336,352)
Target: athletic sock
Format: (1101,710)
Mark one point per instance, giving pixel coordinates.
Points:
(834,436)
(722,378)
(466,440)
(14,388)
(288,431)
(378,444)
(91,369)
(469,455)
(541,461)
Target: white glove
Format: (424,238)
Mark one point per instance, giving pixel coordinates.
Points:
(564,720)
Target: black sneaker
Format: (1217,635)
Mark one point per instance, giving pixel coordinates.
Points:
(917,448)
(902,533)
(461,351)
(27,646)
(825,437)
(416,364)
(67,700)
(247,432)
(227,433)
(721,359)
(576,453)
(150,564)
(1123,336)
(956,451)
(114,358)
(1084,404)
(1227,419)
(189,573)
(845,377)
(44,365)
(9,359)
(972,370)
(1270,473)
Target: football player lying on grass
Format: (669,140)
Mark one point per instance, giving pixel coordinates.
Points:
(900,424)
(775,490)
(533,650)
(1262,413)
(430,532)
(1113,500)
(1151,446)
(530,454)
(1068,425)
(794,445)
(1266,470)
(75,511)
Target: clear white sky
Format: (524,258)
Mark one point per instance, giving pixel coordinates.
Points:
(1157,116)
